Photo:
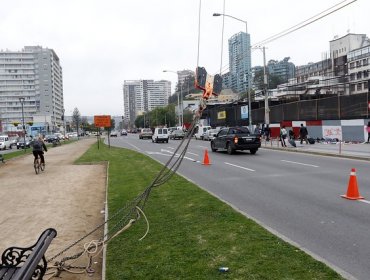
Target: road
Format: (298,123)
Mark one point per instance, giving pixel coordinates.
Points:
(294,195)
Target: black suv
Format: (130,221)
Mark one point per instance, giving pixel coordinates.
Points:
(236,138)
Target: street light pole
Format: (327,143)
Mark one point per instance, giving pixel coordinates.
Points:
(248,87)
(265,85)
(21,99)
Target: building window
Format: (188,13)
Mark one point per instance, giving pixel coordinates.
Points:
(352,87)
(359,75)
(352,65)
(365,62)
(353,77)
(366,73)
(358,63)
(365,85)
(359,87)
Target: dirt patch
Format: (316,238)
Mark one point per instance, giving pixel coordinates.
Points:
(67,197)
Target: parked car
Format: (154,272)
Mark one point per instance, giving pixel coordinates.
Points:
(145,133)
(22,145)
(200,130)
(210,134)
(51,138)
(236,138)
(177,134)
(5,142)
(123,132)
(160,135)
(113,133)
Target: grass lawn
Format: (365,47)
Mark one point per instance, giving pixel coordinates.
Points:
(191,233)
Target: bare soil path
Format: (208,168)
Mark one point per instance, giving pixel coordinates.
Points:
(67,197)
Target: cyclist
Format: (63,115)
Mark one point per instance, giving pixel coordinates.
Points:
(38,148)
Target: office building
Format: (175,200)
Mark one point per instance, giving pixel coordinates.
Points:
(140,96)
(240,79)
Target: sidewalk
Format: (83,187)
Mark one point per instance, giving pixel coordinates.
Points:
(340,149)
(66,197)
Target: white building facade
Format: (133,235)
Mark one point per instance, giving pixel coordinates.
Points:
(140,96)
(35,74)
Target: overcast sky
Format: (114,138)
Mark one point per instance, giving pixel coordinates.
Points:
(101,43)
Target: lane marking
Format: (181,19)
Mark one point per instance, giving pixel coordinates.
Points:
(305,164)
(170,148)
(363,200)
(238,166)
(192,154)
(203,146)
(137,148)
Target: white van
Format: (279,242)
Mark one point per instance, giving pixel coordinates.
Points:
(4,142)
(200,131)
(161,134)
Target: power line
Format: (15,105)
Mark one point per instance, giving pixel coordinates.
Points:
(303,23)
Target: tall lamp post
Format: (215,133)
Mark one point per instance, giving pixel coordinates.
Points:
(178,97)
(249,93)
(21,99)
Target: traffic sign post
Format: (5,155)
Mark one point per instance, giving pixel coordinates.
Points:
(102,121)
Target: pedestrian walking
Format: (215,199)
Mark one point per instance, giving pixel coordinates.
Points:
(283,136)
(368,132)
(303,133)
(267,132)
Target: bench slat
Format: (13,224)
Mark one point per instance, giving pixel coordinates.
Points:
(7,273)
(35,262)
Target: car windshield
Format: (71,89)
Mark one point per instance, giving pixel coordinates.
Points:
(238,130)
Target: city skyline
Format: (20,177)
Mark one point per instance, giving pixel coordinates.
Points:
(101,45)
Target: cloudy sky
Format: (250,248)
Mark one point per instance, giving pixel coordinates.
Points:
(101,43)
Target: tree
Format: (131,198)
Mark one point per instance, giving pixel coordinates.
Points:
(76,118)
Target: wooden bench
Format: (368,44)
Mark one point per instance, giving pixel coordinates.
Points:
(26,263)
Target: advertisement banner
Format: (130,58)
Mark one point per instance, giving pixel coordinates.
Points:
(221,115)
(244,112)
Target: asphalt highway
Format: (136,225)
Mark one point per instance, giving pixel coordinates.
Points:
(295,195)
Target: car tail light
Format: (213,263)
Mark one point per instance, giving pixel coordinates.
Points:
(236,140)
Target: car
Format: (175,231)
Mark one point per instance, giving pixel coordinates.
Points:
(123,132)
(177,134)
(5,142)
(160,135)
(145,133)
(236,138)
(210,134)
(51,138)
(200,130)
(113,133)
(22,145)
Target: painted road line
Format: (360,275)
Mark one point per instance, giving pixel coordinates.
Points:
(305,164)
(168,155)
(238,166)
(363,200)
(203,146)
(192,154)
(172,148)
(137,148)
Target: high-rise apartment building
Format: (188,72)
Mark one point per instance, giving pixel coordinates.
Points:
(240,79)
(34,74)
(141,96)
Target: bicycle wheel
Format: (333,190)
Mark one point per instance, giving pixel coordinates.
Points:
(36,165)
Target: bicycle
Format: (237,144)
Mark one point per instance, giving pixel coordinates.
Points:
(38,165)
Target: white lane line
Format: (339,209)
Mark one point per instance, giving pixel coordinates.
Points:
(171,148)
(363,200)
(305,164)
(168,155)
(241,167)
(203,147)
(136,147)
(192,154)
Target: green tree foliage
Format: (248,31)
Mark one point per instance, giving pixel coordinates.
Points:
(160,116)
(76,118)
(273,80)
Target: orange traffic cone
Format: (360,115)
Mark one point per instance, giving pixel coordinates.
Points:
(352,191)
(206,159)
